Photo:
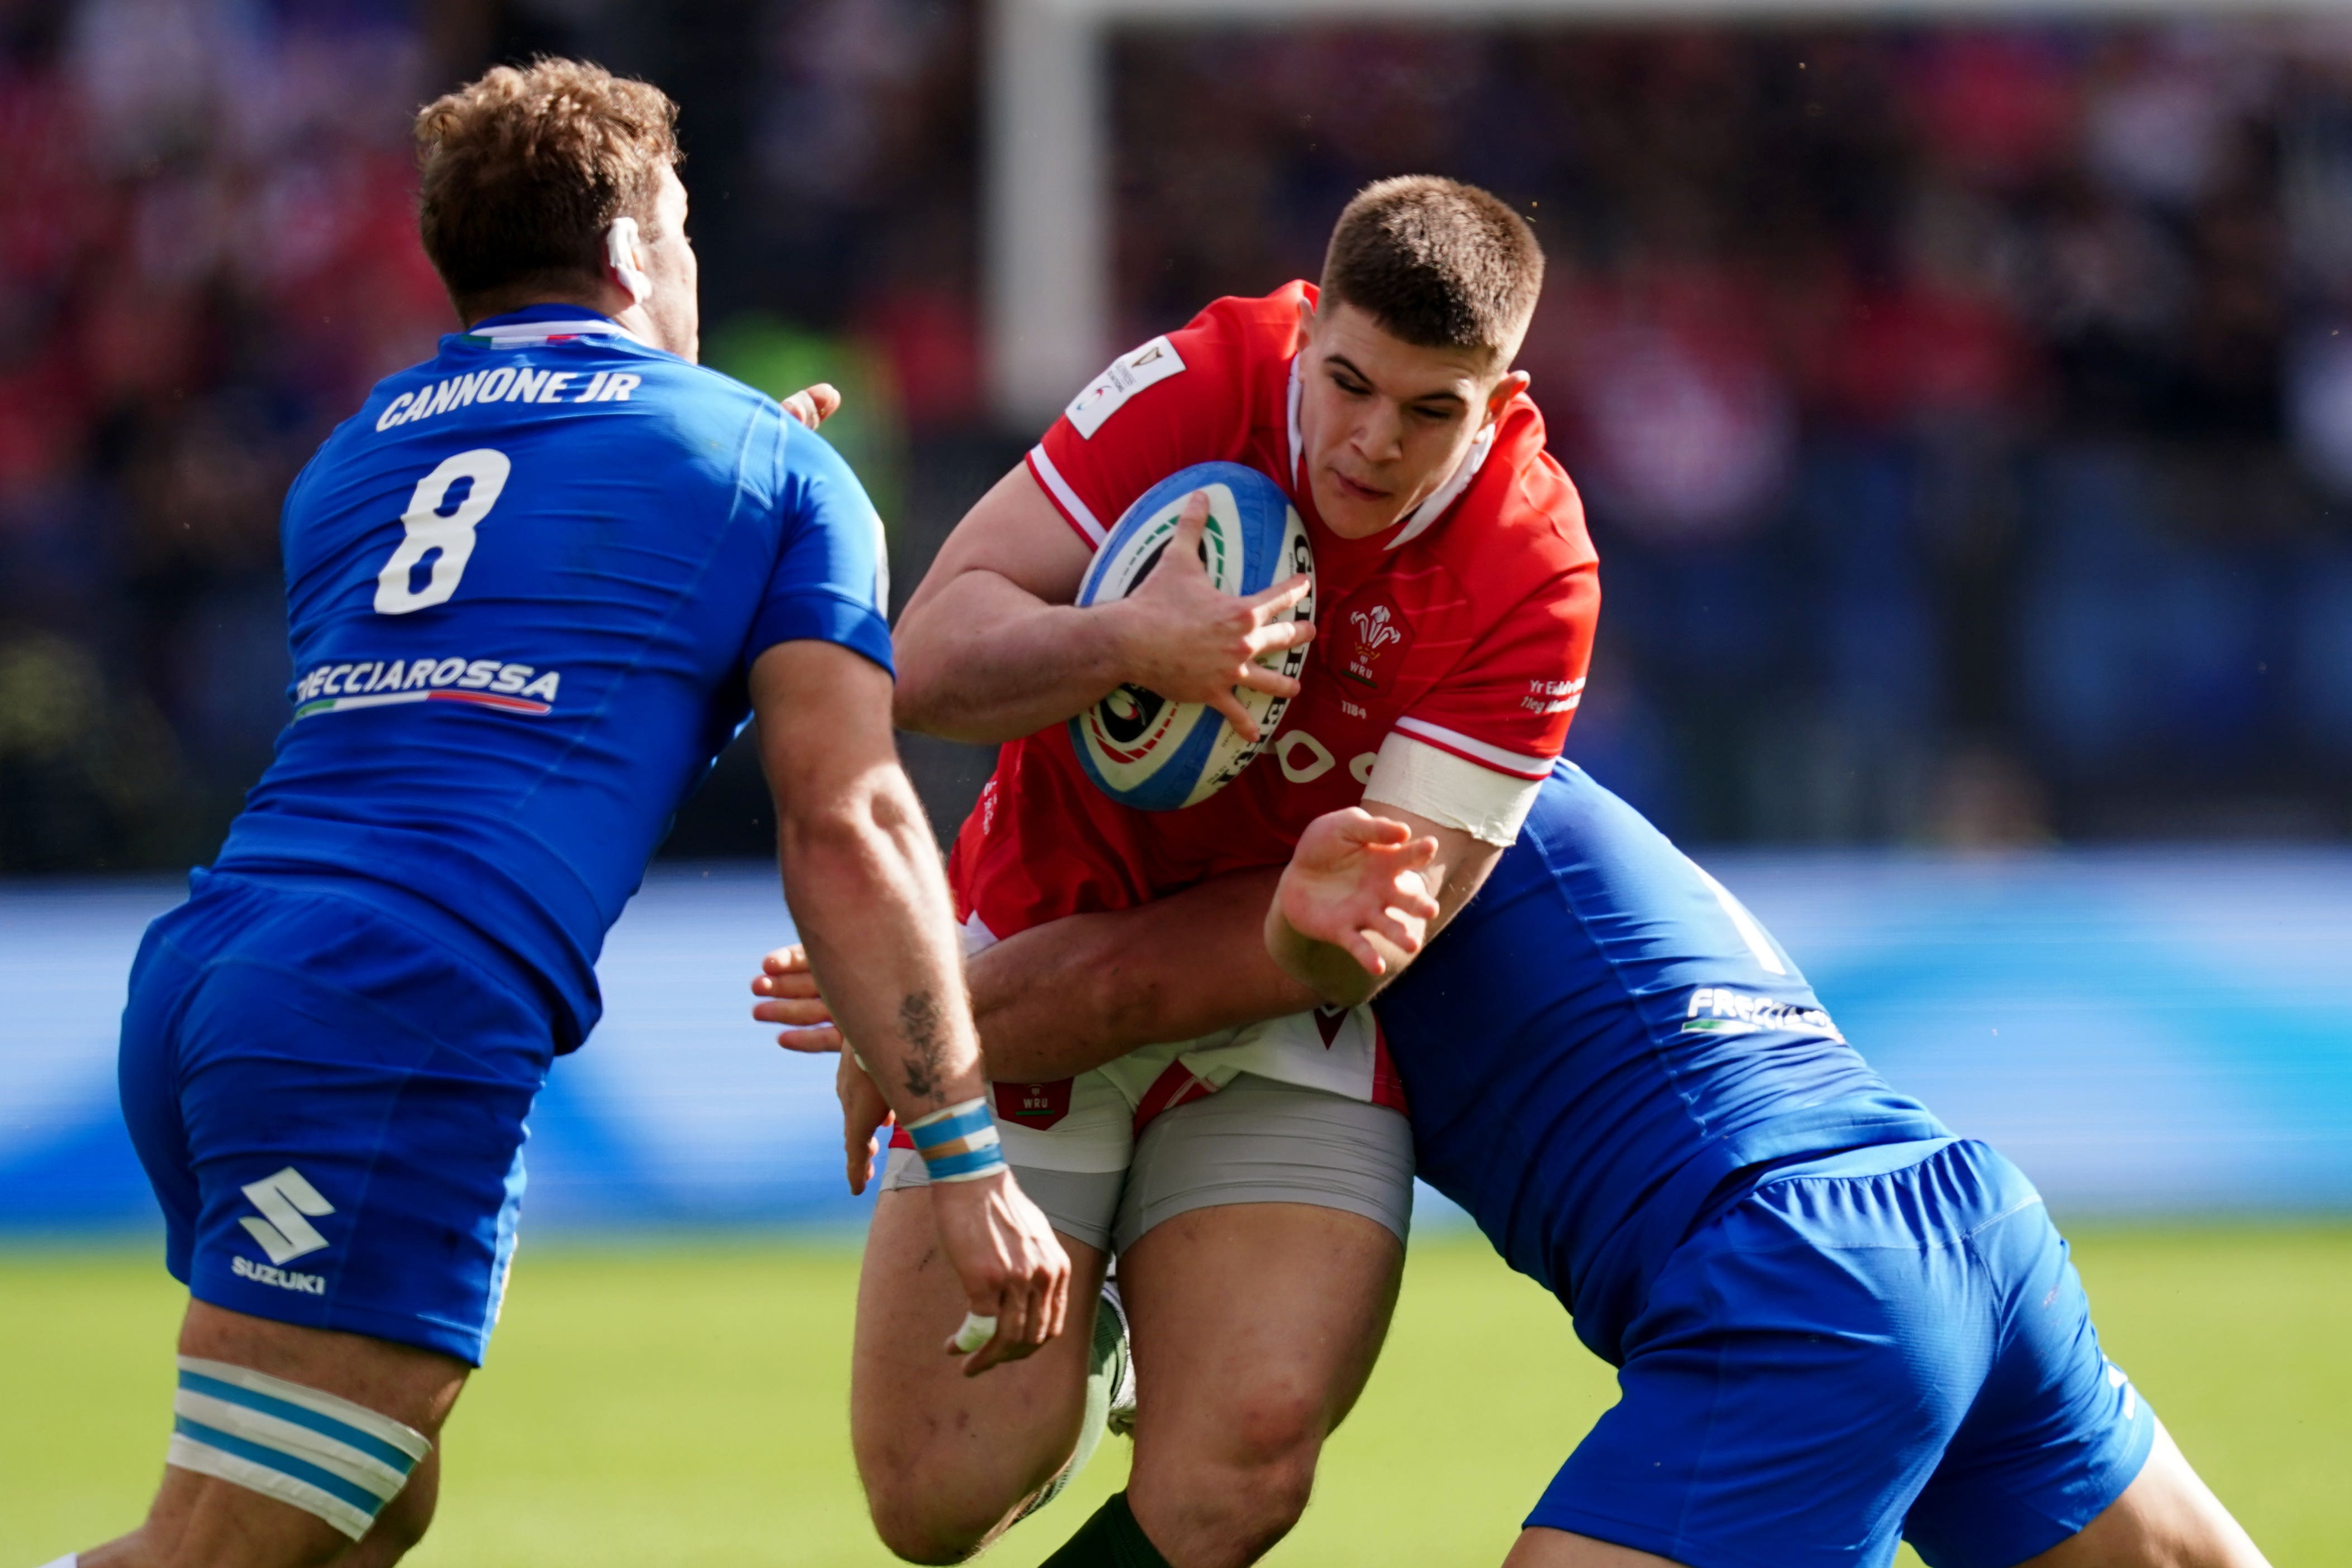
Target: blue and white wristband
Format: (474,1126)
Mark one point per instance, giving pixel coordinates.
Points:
(959,1143)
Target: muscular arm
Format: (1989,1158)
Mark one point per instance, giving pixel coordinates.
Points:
(991,648)
(1362,894)
(1072,994)
(862,874)
(1075,993)
(866,887)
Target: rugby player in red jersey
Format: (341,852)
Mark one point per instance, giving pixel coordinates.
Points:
(1255,1185)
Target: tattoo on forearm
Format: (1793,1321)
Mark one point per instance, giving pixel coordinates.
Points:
(925,1027)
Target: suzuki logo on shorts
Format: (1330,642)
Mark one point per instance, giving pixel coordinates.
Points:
(284,1199)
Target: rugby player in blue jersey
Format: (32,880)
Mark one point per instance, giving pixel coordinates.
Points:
(1837,1326)
(534,585)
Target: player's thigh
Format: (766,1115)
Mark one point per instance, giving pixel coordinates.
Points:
(963,1448)
(402,1522)
(2168,1517)
(1262,1239)
(418,1389)
(1255,1325)
(275,1459)
(914,1413)
(412,1386)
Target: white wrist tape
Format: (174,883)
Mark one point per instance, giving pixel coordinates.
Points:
(960,1142)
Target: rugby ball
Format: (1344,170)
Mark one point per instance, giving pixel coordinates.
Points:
(1138,748)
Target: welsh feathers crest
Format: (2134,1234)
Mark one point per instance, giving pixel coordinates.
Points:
(1374,628)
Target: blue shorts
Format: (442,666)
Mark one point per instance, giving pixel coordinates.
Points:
(330,1104)
(1885,1344)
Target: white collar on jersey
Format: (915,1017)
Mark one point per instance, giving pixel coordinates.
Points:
(516,334)
(1418,520)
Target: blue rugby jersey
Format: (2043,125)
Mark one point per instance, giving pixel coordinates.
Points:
(1600,1041)
(525,586)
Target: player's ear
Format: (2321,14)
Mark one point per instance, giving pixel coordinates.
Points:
(1305,322)
(1509,387)
(624,253)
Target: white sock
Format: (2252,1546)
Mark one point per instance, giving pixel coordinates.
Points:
(70,1560)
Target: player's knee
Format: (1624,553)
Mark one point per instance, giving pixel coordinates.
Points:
(398,1529)
(1272,1495)
(916,1536)
(924,1523)
(350,1467)
(1275,1437)
(1274,1430)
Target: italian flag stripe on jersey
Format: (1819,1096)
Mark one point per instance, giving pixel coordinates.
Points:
(479,699)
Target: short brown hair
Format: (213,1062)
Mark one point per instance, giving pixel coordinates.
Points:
(525,170)
(1436,262)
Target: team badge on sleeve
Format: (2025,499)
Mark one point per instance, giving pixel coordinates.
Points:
(1129,374)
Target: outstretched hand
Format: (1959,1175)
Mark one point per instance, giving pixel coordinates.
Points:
(864,1114)
(1354,877)
(790,986)
(794,1002)
(813,404)
(1180,636)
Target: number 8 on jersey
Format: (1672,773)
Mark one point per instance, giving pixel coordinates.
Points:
(453,535)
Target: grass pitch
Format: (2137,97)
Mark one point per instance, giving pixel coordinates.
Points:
(676,1403)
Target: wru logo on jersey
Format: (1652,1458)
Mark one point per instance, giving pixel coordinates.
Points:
(1373,628)
(1382,635)
(287,1203)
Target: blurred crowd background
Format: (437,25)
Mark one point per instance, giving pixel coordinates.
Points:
(1964,414)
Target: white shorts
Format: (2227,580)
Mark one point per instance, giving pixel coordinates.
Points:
(1257,1140)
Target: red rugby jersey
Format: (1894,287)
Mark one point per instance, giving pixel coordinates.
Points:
(1467,627)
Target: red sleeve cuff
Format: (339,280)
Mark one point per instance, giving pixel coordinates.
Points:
(1501,760)
(1066,501)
